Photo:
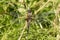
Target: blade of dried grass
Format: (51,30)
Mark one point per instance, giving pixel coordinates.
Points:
(22,31)
(41,7)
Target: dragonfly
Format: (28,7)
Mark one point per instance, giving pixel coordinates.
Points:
(29,17)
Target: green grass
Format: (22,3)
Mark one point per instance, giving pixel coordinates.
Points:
(44,24)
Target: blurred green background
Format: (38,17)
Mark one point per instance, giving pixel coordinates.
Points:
(45,19)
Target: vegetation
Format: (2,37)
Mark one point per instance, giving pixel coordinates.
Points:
(43,23)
